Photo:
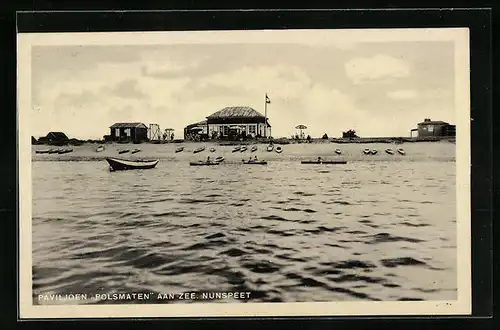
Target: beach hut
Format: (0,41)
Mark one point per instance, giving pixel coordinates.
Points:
(129,132)
(435,128)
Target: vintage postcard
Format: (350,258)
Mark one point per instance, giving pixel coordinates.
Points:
(244,173)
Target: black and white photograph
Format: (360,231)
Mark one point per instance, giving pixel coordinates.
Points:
(235,173)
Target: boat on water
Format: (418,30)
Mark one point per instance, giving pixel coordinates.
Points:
(198,150)
(270,148)
(235,149)
(254,162)
(389,151)
(99,149)
(243,149)
(203,163)
(338,151)
(374,152)
(135,151)
(53,151)
(64,151)
(219,159)
(212,149)
(401,151)
(123,151)
(179,149)
(43,151)
(324,162)
(117,164)
(254,148)
(367,151)
(279,149)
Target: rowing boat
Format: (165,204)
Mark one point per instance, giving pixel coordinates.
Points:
(324,162)
(254,148)
(179,149)
(279,149)
(123,151)
(389,151)
(243,149)
(253,162)
(338,151)
(401,151)
(99,149)
(374,152)
(117,164)
(64,151)
(201,163)
(367,151)
(236,149)
(219,159)
(135,151)
(198,150)
(270,148)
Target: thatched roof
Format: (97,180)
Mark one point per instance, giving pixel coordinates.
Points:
(128,125)
(236,112)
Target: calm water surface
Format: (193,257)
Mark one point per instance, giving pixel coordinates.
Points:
(378,228)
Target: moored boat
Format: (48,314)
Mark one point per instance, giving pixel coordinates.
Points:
(212,149)
(135,151)
(270,148)
(198,150)
(235,149)
(117,164)
(179,149)
(374,152)
(99,149)
(367,151)
(389,151)
(338,151)
(64,151)
(123,151)
(53,151)
(43,151)
(243,149)
(401,151)
(279,149)
(219,159)
(254,148)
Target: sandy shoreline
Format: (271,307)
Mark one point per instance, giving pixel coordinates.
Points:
(389,140)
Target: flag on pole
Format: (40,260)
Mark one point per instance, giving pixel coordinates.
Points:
(268,100)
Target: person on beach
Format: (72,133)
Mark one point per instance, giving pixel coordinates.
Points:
(319,159)
(255,158)
(208,159)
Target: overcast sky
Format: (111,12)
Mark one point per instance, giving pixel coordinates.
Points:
(376,88)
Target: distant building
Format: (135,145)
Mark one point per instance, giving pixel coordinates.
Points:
(54,138)
(230,123)
(129,132)
(435,128)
